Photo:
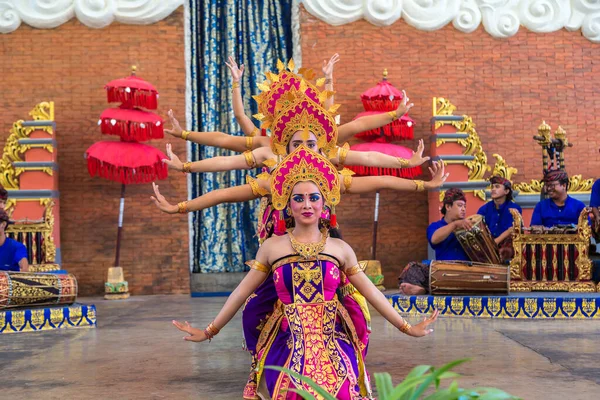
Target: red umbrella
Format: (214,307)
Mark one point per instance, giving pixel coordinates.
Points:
(391,150)
(132,92)
(126,162)
(401,128)
(131,125)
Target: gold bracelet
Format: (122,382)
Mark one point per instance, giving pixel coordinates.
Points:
(211,331)
(182,207)
(250,159)
(235,85)
(187,167)
(404,163)
(254,132)
(353,270)
(393,115)
(420,185)
(343,153)
(406,327)
(347,183)
(185,134)
(249,142)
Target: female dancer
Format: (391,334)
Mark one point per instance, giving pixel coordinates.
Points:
(309,330)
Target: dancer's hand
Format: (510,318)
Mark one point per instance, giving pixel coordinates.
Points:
(421,329)
(328,66)
(176,130)
(438,176)
(161,202)
(173,162)
(417,157)
(404,106)
(236,73)
(195,334)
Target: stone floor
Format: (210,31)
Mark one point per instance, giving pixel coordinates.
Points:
(135,353)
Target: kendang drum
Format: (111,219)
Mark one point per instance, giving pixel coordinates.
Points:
(463,277)
(24,289)
(478,242)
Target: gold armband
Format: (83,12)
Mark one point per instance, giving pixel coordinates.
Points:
(187,167)
(235,85)
(403,162)
(420,186)
(249,142)
(353,270)
(256,189)
(211,331)
(185,134)
(255,132)
(343,153)
(405,328)
(182,207)
(393,115)
(347,183)
(250,159)
(253,264)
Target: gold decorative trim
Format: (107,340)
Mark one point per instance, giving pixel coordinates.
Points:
(576,185)
(502,169)
(48,147)
(479,193)
(47,170)
(46,227)
(43,111)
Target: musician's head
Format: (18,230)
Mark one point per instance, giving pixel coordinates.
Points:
(454,205)
(556,183)
(3,198)
(4,221)
(501,188)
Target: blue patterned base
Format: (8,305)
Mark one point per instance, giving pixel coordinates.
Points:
(522,306)
(47,318)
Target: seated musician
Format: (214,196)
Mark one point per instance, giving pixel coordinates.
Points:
(440,235)
(498,217)
(13,254)
(3,198)
(595,205)
(559,208)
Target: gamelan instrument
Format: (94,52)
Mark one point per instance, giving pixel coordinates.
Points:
(478,242)
(24,289)
(464,277)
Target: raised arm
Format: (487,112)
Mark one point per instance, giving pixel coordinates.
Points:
(235,194)
(347,131)
(216,139)
(236,299)
(377,159)
(371,184)
(328,72)
(378,300)
(242,119)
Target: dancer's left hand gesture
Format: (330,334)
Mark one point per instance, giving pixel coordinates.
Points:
(328,66)
(236,73)
(195,334)
(417,157)
(173,162)
(438,175)
(404,106)
(162,203)
(422,328)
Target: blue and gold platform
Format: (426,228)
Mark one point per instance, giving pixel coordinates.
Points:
(47,318)
(518,306)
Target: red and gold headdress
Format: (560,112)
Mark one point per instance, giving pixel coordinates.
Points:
(305,165)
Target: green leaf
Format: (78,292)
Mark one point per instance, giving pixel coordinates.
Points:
(434,376)
(384,384)
(494,394)
(314,385)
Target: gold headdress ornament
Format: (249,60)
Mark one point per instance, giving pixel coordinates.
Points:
(305,165)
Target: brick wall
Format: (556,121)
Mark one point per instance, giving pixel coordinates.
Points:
(508,87)
(70,65)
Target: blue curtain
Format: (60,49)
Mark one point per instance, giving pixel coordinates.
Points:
(256,34)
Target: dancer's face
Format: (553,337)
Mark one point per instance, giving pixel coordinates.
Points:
(306,203)
(297,140)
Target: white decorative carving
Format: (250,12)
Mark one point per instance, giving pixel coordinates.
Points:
(46,14)
(500,18)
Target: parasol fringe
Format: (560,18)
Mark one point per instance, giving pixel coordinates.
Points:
(396,129)
(134,98)
(125,175)
(407,173)
(132,130)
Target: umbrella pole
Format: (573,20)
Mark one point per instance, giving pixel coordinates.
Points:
(375,220)
(116,287)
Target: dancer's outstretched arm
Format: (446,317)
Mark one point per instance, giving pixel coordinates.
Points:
(248,160)
(370,184)
(378,300)
(236,299)
(328,72)
(242,119)
(347,131)
(235,194)
(217,139)
(377,159)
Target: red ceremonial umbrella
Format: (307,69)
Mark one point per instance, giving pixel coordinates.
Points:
(127,161)
(392,150)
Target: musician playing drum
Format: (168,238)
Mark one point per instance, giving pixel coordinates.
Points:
(13,255)
(498,217)
(559,208)
(3,198)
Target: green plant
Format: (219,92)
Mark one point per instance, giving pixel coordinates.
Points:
(414,386)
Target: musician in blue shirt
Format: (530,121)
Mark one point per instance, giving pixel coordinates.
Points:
(440,234)
(3,198)
(559,208)
(595,203)
(13,254)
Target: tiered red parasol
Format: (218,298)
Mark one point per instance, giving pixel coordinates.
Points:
(391,150)
(127,161)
